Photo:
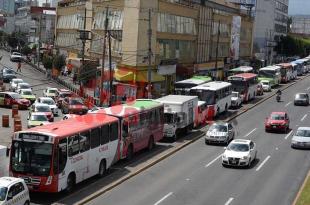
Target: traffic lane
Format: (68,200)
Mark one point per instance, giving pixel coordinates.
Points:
(167,165)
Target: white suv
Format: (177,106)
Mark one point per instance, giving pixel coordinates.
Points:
(13,191)
(50,92)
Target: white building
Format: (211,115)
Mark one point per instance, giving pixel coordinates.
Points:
(301,24)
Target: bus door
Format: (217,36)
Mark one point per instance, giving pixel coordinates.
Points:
(61,163)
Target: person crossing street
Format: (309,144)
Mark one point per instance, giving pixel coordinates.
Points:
(19,67)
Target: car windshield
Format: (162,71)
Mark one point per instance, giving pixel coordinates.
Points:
(51,91)
(218,128)
(169,118)
(63,95)
(48,102)
(15,53)
(42,109)
(23,86)
(76,101)
(265,83)
(277,117)
(238,147)
(234,94)
(16,96)
(3,191)
(303,133)
(31,157)
(26,92)
(38,118)
(9,71)
(301,96)
(16,81)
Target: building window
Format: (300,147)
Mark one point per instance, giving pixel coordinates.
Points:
(176,24)
(172,49)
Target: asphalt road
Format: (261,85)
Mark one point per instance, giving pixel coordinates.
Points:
(195,175)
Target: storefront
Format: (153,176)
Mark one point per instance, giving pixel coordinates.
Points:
(211,70)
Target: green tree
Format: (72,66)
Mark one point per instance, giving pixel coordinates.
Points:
(59,62)
(26,50)
(47,62)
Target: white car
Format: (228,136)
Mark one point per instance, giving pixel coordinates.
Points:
(220,132)
(50,102)
(50,92)
(22,86)
(13,191)
(236,99)
(16,57)
(266,85)
(239,152)
(14,83)
(301,138)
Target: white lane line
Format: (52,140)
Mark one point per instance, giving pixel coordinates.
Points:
(308,88)
(207,165)
(262,164)
(250,133)
(229,201)
(288,104)
(287,136)
(162,199)
(304,117)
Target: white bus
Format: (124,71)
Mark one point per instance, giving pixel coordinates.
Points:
(241,69)
(245,84)
(183,87)
(271,74)
(216,94)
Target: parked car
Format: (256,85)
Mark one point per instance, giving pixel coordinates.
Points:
(220,132)
(50,92)
(61,94)
(236,100)
(266,85)
(50,102)
(301,99)
(260,89)
(43,108)
(27,94)
(239,152)
(277,121)
(16,57)
(22,86)
(301,138)
(37,119)
(14,83)
(8,99)
(13,191)
(7,74)
(74,105)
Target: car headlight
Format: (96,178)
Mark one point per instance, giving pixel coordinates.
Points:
(294,142)
(245,157)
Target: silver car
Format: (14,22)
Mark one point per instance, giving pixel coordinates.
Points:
(301,138)
(220,132)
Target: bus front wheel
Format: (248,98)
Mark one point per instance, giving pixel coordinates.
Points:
(102,168)
(70,183)
(151,143)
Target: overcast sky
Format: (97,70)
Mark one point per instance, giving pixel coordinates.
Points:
(299,7)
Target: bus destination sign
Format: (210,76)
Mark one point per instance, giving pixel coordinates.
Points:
(30,136)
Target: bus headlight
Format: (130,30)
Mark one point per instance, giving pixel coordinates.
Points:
(49,180)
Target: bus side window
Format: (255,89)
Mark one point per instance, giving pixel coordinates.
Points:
(114,131)
(60,157)
(95,138)
(125,128)
(84,141)
(104,139)
(73,144)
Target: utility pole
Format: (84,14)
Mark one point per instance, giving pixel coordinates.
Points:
(149,74)
(39,39)
(106,23)
(217,45)
(83,48)
(110,70)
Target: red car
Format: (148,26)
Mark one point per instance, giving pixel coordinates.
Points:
(277,121)
(74,105)
(9,99)
(61,94)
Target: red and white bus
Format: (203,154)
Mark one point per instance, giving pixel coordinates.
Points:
(245,84)
(55,157)
(201,114)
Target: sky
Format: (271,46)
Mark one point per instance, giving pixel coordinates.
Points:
(299,7)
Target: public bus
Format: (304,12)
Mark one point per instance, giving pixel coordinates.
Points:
(271,74)
(241,69)
(245,84)
(201,113)
(300,67)
(216,94)
(183,87)
(294,70)
(141,122)
(286,72)
(54,157)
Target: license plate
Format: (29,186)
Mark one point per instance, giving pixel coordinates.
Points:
(274,126)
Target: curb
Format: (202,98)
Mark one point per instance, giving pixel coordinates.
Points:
(100,192)
(301,188)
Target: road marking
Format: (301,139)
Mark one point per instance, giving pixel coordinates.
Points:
(308,88)
(304,117)
(277,148)
(250,133)
(229,201)
(288,104)
(187,179)
(213,160)
(262,164)
(288,134)
(162,199)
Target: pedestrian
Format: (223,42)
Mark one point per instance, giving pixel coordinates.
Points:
(19,67)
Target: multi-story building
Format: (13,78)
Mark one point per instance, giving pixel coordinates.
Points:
(183,36)
(7,8)
(300,24)
(271,21)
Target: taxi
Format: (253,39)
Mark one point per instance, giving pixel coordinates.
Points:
(27,94)
(37,119)
(13,191)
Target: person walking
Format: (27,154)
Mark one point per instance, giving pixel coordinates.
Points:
(19,67)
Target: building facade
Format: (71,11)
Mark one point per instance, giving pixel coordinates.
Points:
(174,38)
(7,8)
(300,24)
(271,21)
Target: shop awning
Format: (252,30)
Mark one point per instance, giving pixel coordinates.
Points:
(123,75)
(142,77)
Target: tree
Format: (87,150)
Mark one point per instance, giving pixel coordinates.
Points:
(26,50)
(292,46)
(47,62)
(59,62)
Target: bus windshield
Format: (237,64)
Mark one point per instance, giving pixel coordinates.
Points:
(207,96)
(238,86)
(3,191)
(266,73)
(31,157)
